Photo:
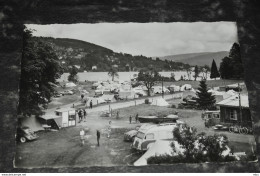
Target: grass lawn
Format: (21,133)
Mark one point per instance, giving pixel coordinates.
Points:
(63,149)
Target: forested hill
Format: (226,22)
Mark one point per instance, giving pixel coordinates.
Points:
(87,56)
(200,59)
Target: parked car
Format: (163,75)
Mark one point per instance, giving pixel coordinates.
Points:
(67,92)
(24,134)
(130,135)
(57,94)
(149,133)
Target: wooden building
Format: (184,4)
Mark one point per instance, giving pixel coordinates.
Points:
(235,111)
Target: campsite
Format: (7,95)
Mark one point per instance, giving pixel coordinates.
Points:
(61,146)
(82,104)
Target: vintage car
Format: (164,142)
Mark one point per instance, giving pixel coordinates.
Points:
(67,92)
(24,134)
(130,135)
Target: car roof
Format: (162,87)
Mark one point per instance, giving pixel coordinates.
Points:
(147,128)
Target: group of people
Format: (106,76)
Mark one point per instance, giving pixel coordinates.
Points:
(82,115)
(136,118)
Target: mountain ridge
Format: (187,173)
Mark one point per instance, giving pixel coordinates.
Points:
(200,59)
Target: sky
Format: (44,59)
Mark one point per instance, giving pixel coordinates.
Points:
(148,39)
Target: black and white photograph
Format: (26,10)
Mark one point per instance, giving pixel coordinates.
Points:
(132,94)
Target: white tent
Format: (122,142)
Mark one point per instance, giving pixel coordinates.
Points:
(70,84)
(160,102)
(127,94)
(160,147)
(159,89)
(108,98)
(32,122)
(185,87)
(175,88)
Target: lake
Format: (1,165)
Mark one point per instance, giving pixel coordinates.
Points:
(123,76)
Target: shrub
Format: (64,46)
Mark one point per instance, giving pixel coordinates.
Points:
(181,106)
(209,148)
(146,101)
(173,106)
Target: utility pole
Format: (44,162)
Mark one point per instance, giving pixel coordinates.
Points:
(239,99)
(162,88)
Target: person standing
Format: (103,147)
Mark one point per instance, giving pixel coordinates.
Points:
(85,115)
(82,137)
(136,118)
(80,115)
(98,137)
(90,104)
(130,119)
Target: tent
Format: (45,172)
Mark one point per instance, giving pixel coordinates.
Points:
(127,94)
(185,87)
(32,122)
(159,89)
(108,98)
(140,91)
(70,84)
(175,88)
(160,102)
(160,147)
(95,101)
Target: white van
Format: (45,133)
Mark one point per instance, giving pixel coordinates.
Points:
(149,133)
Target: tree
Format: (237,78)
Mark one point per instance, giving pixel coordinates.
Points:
(231,67)
(196,72)
(205,99)
(148,77)
(73,77)
(214,70)
(172,77)
(112,73)
(236,62)
(225,68)
(197,148)
(39,70)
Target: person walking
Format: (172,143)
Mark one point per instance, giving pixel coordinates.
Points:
(98,137)
(82,136)
(80,115)
(90,104)
(130,119)
(85,115)
(136,118)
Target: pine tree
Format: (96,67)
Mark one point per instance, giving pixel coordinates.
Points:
(214,70)
(205,99)
(236,62)
(196,72)
(225,68)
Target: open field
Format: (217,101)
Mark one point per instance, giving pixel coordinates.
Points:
(62,148)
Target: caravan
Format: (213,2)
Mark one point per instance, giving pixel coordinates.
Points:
(149,133)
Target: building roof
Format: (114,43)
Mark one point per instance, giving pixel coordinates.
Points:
(233,101)
(64,109)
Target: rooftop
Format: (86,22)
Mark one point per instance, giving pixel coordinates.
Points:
(234,101)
